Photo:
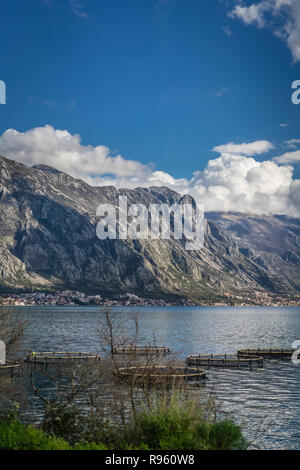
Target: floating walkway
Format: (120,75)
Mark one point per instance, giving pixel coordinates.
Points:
(270,353)
(143,350)
(225,360)
(60,357)
(159,374)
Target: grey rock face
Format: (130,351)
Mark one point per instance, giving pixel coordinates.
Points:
(48,240)
(271,242)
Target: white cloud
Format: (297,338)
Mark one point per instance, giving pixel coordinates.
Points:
(288,158)
(292,143)
(52,104)
(65,152)
(78,8)
(254,14)
(227,31)
(231,182)
(253,148)
(282,17)
(222,92)
(239,183)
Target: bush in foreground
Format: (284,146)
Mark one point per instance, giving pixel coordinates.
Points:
(16,436)
(178,427)
(166,427)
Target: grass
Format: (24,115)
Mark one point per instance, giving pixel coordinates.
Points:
(171,426)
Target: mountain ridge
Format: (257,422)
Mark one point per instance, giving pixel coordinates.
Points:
(48,241)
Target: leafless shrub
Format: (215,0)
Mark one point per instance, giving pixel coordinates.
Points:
(135,391)
(84,397)
(12,327)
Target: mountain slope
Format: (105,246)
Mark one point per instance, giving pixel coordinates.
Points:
(48,240)
(272,242)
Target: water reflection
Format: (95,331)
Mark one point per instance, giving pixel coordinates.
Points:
(265,400)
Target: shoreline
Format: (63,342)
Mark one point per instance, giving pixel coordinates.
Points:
(167,305)
(80,299)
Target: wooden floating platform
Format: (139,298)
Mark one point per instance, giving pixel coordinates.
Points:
(142,350)
(10,367)
(159,374)
(60,357)
(276,353)
(225,360)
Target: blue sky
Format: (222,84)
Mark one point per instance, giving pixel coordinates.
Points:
(157,81)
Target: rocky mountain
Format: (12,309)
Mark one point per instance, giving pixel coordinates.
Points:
(48,241)
(272,242)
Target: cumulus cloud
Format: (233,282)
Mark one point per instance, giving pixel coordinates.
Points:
(292,143)
(282,17)
(65,152)
(239,183)
(234,181)
(254,14)
(291,157)
(253,148)
(288,158)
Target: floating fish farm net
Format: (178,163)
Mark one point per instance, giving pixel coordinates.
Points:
(159,374)
(225,360)
(60,357)
(142,350)
(276,353)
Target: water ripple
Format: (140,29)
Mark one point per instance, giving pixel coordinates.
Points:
(266,402)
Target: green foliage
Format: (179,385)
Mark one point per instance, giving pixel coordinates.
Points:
(65,422)
(90,446)
(171,426)
(15,436)
(183,428)
(72,425)
(224,435)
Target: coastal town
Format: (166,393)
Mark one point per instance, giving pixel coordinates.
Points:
(75,298)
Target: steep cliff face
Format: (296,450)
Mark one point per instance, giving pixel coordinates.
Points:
(48,239)
(271,242)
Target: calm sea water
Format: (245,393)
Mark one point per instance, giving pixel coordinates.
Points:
(266,401)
